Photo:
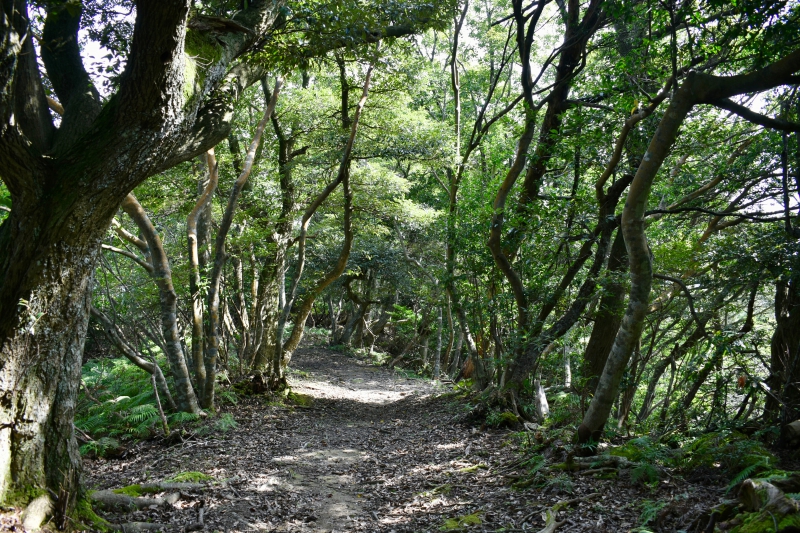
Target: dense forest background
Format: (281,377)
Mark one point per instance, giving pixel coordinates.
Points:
(586,212)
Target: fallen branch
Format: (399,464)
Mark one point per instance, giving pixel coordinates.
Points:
(111,500)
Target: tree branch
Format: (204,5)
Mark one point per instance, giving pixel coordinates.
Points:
(688,295)
(144,264)
(757,118)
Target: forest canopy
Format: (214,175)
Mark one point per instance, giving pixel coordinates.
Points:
(586,211)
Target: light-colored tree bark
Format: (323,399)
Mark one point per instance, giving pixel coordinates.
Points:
(195,281)
(212,323)
(185,398)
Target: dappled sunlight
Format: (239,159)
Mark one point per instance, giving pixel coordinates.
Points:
(369,392)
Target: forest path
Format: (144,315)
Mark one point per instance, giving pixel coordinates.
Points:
(374,451)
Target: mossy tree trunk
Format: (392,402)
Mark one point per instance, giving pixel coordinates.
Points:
(784,404)
(66,184)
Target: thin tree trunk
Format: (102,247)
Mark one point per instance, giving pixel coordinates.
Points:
(608,317)
(220,254)
(162,274)
(195,282)
(437,363)
(282,359)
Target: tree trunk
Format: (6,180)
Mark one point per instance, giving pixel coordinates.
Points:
(437,362)
(162,275)
(608,317)
(287,348)
(641,269)
(696,89)
(212,323)
(44,327)
(197,235)
(784,354)
(269,308)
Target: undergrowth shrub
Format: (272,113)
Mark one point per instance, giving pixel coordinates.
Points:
(117,403)
(734,454)
(645,450)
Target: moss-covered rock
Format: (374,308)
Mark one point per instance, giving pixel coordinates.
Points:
(300,400)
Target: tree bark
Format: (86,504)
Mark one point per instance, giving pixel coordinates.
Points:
(608,317)
(168,299)
(784,354)
(193,238)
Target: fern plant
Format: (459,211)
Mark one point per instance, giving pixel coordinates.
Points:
(650,510)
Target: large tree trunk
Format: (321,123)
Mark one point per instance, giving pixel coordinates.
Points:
(63,203)
(43,331)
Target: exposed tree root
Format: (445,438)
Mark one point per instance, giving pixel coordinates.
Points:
(762,506)
(116,501)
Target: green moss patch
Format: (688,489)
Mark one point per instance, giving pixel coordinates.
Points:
(461,522)
(764,522)
(85,518)
(471,469)
(190,477)
(134,491)
(506,419)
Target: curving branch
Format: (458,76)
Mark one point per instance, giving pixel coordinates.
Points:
(343,177)
(683,286)
(61,56)
(130,255)
(220,253)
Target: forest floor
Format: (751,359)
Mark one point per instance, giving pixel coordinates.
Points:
(376,451)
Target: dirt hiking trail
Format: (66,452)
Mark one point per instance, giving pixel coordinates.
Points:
(372,451)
